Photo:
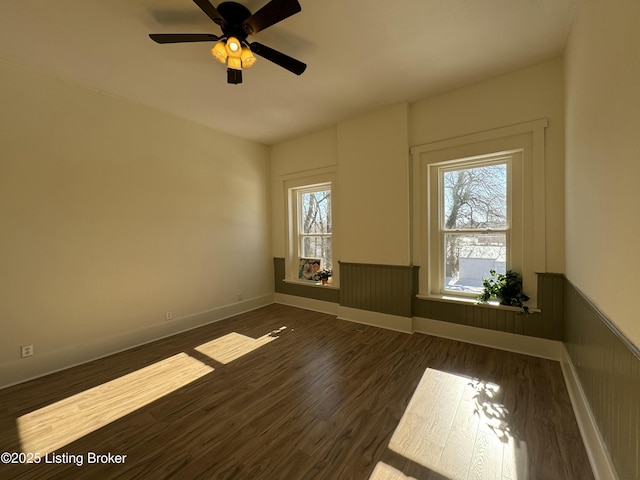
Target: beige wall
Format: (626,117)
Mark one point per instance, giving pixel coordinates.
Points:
(315,151)
(603,158)
(517,97)
(372,157)
(112,214)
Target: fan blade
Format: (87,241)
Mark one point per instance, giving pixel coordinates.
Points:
(182,37)
(211,11)
(285,61)
(273,12)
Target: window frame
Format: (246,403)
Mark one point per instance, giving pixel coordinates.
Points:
(299,192)
(318,179)
(528,217)
(512,160)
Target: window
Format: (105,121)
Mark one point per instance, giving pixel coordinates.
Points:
(473,223)
(479,205)
(314,223)
(310,225)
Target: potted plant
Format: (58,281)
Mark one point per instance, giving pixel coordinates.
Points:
(323,275)
(506,288)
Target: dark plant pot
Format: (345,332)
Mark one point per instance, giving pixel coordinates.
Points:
(503,300)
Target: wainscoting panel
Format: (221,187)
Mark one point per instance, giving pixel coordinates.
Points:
(391,289)
(378,288)
(608,368)
(545,324)
(325,294)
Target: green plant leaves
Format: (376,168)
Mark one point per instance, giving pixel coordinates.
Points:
(506,288)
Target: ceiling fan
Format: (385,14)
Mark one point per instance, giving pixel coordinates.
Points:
(237,23)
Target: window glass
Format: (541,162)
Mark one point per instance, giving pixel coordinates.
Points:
(476,197)
(474,225)
(315,224)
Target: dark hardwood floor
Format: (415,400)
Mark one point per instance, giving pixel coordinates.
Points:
(325,399)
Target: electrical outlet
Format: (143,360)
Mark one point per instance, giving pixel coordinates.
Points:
(168,315)
(26,351)
(239,297)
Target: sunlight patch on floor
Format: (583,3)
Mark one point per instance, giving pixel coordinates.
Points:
(387,472)
(51,427)
(458,427)
(232,346)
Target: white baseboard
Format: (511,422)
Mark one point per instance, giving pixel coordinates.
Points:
(537,347)
(601,464)
(382,320)
(307,303)
(376,319)
(44,363)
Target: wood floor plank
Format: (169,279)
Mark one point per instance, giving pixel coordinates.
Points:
(324,399)
(486,459)
(56,425)
(232,346)
(458,449)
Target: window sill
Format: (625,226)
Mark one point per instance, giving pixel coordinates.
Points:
(308,283)
(473,301)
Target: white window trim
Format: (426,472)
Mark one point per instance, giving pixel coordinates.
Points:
(291,184)
(528,137)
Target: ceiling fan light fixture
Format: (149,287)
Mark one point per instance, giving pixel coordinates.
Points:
(247,57)
(235,63)
(236,23)
(219,51)
(234,49)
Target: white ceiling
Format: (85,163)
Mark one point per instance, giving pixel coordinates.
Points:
(361,55)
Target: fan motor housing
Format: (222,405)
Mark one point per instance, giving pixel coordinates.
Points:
(234,14)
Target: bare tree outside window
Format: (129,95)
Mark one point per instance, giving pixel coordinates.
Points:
(315,225)
(475,225)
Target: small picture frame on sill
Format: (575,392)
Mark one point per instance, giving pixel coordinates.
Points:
(308,267)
